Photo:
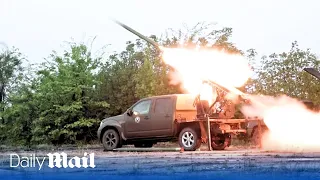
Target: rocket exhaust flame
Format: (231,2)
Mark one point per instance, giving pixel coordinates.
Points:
(291,126)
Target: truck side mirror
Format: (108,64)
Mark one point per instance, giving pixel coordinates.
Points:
(129,112)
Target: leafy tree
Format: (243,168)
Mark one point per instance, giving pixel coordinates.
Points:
(131,75)
(10,70)
(18,117)
(65,96)
(10,78)
(202,35)
(283,74)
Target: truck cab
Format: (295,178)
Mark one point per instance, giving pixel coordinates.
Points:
(148,121)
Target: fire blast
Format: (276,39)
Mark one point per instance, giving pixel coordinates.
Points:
(194,65)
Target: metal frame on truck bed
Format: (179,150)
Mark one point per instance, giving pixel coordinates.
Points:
(207,120)
(206,127)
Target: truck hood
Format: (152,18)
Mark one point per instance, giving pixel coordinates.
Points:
(114,118)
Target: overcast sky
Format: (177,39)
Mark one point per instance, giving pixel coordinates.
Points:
(37,27)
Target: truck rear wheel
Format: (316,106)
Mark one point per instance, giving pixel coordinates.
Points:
(110,140)
(189,139)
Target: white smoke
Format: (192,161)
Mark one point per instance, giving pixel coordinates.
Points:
(292,127)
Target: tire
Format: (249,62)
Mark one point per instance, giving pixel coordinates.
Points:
(110,140)
(189,139)
(143,145)
(223,142)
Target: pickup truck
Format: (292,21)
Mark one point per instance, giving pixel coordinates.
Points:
(165,118)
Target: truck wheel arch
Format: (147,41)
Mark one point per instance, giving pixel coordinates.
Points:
(110,127)
(194,125)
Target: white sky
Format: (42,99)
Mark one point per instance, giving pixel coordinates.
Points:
(37,27)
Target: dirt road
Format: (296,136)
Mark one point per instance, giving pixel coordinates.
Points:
(228,164)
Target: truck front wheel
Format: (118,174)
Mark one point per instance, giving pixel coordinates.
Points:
(189,139)
(110,140)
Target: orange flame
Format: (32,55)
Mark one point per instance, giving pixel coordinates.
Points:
(194,65)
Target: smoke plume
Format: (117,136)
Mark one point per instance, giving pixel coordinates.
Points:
(292,127)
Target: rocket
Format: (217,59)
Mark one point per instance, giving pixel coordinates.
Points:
(156,45)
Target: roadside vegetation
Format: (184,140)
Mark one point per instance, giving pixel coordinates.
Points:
(63,100)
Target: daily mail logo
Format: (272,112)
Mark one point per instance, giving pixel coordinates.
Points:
(58,160)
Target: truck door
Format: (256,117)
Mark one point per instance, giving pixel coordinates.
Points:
(138,124)
(162,117)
